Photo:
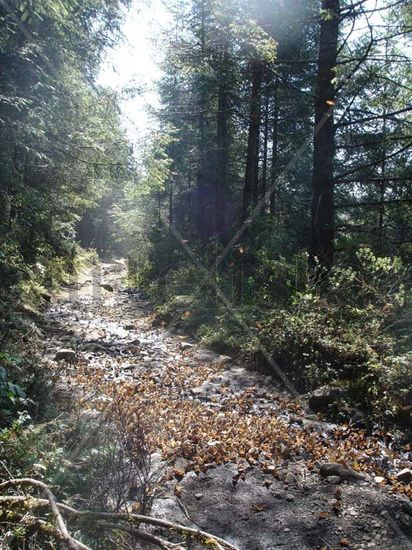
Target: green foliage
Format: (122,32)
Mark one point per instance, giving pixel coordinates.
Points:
(78,455)
(62,148)
(340,328)
(12,396)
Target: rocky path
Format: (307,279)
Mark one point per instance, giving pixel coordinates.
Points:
(241,458)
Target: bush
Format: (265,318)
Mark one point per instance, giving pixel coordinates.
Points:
(348,326)
(87,458)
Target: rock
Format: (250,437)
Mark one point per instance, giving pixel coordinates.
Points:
(310,423)
(107,287)
(197,391)
(68,355)
(358,419)
(206,356)
(185,345)
(379,479)
(323,398)
(404,418)
(333,469)
(30,312)
(198,496)
(405,520)
(404,476)
(166,508)
(407,507)
(224,360)
(289,497)
(334,480)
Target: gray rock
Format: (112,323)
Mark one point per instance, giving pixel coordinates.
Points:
(68,355)
(407,507)
(404,476)
(46,296)
(107,287)
(185,345)
(333,469)
(323,398)
(334,480)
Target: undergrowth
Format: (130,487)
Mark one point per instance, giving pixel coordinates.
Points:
(348,327)
(89,459)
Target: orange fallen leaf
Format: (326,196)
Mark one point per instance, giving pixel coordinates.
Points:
(260,507)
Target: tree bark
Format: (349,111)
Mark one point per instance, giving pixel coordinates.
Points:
(201,178)
(265,144)
(323,231)
(252,155)
(274,168)
(222,150)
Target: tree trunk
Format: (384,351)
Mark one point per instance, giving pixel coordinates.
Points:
(265,144)
(201,178)
(323,231)
(252,156)
(274,168)
(222,151)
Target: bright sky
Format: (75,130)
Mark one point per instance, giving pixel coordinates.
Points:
(135,62)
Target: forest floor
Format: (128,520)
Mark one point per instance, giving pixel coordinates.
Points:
(234,454)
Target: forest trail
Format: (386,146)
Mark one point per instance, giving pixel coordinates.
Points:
(234,454)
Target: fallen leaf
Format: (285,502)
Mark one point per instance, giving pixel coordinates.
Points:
(179,473)
(260,507)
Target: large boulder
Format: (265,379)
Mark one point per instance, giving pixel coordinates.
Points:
(325,398)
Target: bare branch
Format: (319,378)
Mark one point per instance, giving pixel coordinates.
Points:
(69,540)
(131,519)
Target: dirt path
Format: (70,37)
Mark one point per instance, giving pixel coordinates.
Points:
(242,455)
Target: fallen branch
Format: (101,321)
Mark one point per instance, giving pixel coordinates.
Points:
(72,543)
(144,535)
(117,517)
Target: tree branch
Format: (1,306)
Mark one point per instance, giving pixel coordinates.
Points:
(131,519)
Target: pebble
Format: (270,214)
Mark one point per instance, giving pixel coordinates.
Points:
(333,480)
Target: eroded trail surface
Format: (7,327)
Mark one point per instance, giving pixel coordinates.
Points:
(240,457)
